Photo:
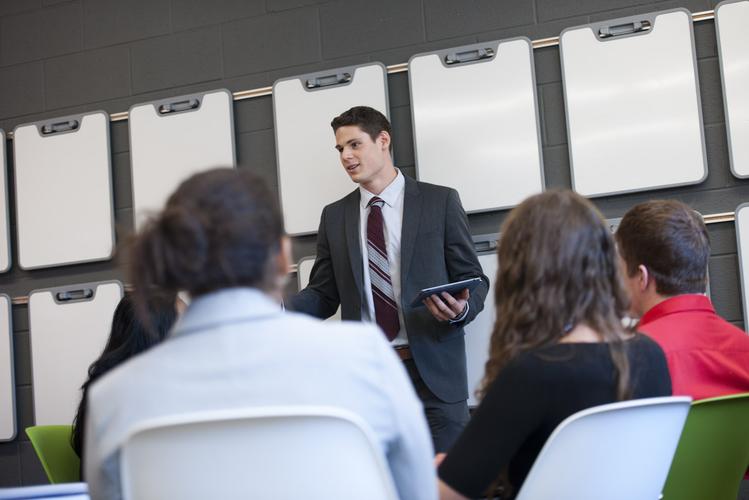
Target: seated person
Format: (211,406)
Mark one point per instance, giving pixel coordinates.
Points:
(558,345)
(220,238)
(128,337)
(665,248)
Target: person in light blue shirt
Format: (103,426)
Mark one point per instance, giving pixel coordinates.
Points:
(220,238)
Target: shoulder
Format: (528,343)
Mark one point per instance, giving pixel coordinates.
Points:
(128,374)
(643,346)
(540,365)
(342,202)
(428,189)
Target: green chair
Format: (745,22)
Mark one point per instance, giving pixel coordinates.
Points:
(713,451)
(52,446)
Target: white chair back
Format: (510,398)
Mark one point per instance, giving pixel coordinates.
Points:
(619,451)
(61,491)
(287,452)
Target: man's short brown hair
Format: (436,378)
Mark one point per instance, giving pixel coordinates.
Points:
(368,119)
(671,241)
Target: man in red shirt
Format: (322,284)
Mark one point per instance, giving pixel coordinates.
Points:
(665,249)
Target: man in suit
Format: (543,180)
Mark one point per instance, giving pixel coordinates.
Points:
(415,236)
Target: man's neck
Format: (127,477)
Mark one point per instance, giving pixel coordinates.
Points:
(382,181)
(651,301)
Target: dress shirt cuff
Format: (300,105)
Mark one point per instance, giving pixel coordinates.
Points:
(461,317)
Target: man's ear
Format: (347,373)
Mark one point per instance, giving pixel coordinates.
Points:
(644,278)
(384,139)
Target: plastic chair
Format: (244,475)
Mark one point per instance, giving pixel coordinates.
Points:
(267,452)
(68,491)
(713,452)
(52,446)
(619,451)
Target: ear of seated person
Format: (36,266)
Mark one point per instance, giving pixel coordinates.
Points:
(220,238)
(557,347)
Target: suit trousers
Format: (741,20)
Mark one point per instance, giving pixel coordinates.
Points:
(446,420)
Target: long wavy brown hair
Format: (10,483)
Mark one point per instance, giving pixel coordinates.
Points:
(557,269)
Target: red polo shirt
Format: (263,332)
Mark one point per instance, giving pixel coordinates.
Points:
(707,356)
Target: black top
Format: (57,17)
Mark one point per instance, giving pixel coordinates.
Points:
(533,394)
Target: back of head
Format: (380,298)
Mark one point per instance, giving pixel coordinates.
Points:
(220,229)
(368,119)
(557,270)
(671,241)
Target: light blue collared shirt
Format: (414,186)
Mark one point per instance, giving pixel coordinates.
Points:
(236,348)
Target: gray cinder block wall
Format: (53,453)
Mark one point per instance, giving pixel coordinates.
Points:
(59,57)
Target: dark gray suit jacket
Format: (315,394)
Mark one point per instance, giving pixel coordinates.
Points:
(436,248)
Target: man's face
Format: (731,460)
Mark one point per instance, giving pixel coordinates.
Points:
(362,158)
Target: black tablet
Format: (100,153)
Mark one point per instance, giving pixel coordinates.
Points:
(450,288)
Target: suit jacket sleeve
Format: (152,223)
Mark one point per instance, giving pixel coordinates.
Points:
(460,255)
(320,298)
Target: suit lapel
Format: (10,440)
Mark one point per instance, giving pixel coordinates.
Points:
(353,239)
(410,225)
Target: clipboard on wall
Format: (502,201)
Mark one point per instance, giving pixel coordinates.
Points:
(7,380)
(634,116)
(479,332)
(475,122)
(742,241)
(172,139)
(69,327)
(4,224)
(731,21)
(63,180)
(310,175)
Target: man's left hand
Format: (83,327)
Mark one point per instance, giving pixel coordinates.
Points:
(445,307)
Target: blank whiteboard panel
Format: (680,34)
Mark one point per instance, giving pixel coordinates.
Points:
(310,174)
(731,26)
(742,237)
(633,106)
(69,327)
(64,191)
(172,139)
(4,225)
(475,122)
(7,381)
(303,271)
(479,331)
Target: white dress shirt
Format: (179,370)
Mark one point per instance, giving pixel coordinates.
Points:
(392,215)
(235,348)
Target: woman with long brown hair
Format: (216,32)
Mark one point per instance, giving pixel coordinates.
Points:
(558,344)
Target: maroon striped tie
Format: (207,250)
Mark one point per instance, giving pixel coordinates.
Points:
(386,309)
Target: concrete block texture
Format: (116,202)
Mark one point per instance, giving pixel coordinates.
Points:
(271,42)
(22,89)
(40,34)
(108,22)
(176,60)
(187,14)
(361,26)
(87,77)
(447,18)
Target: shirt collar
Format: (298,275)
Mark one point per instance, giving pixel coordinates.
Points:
(676,304)
(389,195)
(230,305)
